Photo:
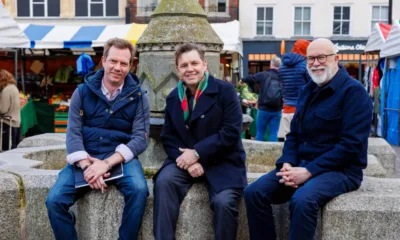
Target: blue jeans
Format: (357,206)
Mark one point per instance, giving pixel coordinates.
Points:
(265,119)
(64,194)
(304,203)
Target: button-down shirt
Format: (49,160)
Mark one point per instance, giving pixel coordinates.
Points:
(108,95)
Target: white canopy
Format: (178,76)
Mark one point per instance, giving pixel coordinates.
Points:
(392,44)
(11,35)
(378,37)
(229,33)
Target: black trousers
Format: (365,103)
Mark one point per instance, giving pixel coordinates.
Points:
(170,188)
(5,136)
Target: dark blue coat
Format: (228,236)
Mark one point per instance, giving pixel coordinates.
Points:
(293,74)
(214,131)
(330,129)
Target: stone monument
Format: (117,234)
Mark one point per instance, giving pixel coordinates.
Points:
(173,22)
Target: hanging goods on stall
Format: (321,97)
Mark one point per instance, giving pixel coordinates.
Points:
(84,64)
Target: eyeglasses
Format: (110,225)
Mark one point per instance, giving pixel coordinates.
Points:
(321,58)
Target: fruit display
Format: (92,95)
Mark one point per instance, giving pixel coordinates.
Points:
(23,99)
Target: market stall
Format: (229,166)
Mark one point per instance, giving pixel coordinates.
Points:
(390,93)
(373,70)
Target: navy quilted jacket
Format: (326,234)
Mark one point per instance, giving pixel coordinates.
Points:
(293,74)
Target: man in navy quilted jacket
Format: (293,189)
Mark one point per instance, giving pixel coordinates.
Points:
(293,74)
(324,153)
(108,123)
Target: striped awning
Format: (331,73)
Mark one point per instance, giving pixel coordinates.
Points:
(60,36)
(378,36)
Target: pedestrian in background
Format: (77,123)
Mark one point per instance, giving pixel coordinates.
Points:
(9,109)
(269,100)
(293,74)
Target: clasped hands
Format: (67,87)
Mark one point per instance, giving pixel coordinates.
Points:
(96,172)
(188,161)
(293,176)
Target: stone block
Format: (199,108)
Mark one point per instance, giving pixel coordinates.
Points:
(11,202)
(37,187)
(374,168)
(47,139)
(262,153)
(382,150)
(372,212)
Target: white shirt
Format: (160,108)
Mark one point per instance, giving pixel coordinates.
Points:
(122,149)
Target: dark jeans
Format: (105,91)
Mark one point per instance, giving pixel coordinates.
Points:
(304,203)
(170,188)
(64,194)
(6,136)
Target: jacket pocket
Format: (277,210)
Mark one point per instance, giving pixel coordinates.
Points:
(329,114)
(328,124)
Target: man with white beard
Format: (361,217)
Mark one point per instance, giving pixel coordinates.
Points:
(324,153)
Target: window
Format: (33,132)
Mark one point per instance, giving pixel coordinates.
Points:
(341,20)
(38,8)
(148,5)
(380,14)
(96,8)
(302,21)
(217,6)
(265,16)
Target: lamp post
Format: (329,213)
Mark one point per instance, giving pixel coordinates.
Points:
(390,11)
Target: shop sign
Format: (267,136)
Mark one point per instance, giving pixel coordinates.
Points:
(352,47)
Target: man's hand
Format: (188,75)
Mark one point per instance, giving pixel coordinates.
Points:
(186,159)
(196,170)
(294,177)
(96,170)
(241,82)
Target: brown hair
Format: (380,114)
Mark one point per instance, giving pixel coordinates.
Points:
(188,47)
(6,78)
(120,44)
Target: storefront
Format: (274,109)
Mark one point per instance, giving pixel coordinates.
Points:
(257,54)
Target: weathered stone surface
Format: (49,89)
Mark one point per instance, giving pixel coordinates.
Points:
(263,153)
(374,168)
(372,212)
(10,205)
(36,190)
(384,153)
(259,168)
(47,139)
(176,21)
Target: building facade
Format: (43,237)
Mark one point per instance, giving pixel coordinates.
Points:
(265,23)
(67,12)
(218,11)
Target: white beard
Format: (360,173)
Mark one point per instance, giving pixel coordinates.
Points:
(323,78)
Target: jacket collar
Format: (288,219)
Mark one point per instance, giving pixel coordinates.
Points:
(212,88)
(94,81)
(334,84)
(205,102)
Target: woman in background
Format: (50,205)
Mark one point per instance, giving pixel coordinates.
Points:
(9,109)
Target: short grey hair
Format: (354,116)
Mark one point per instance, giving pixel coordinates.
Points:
(276,62)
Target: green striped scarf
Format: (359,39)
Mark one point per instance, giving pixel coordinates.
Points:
(182,96)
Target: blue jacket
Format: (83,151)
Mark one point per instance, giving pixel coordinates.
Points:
(262,79)
(106,124)
(214,132)
(293,74)
(330,129)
